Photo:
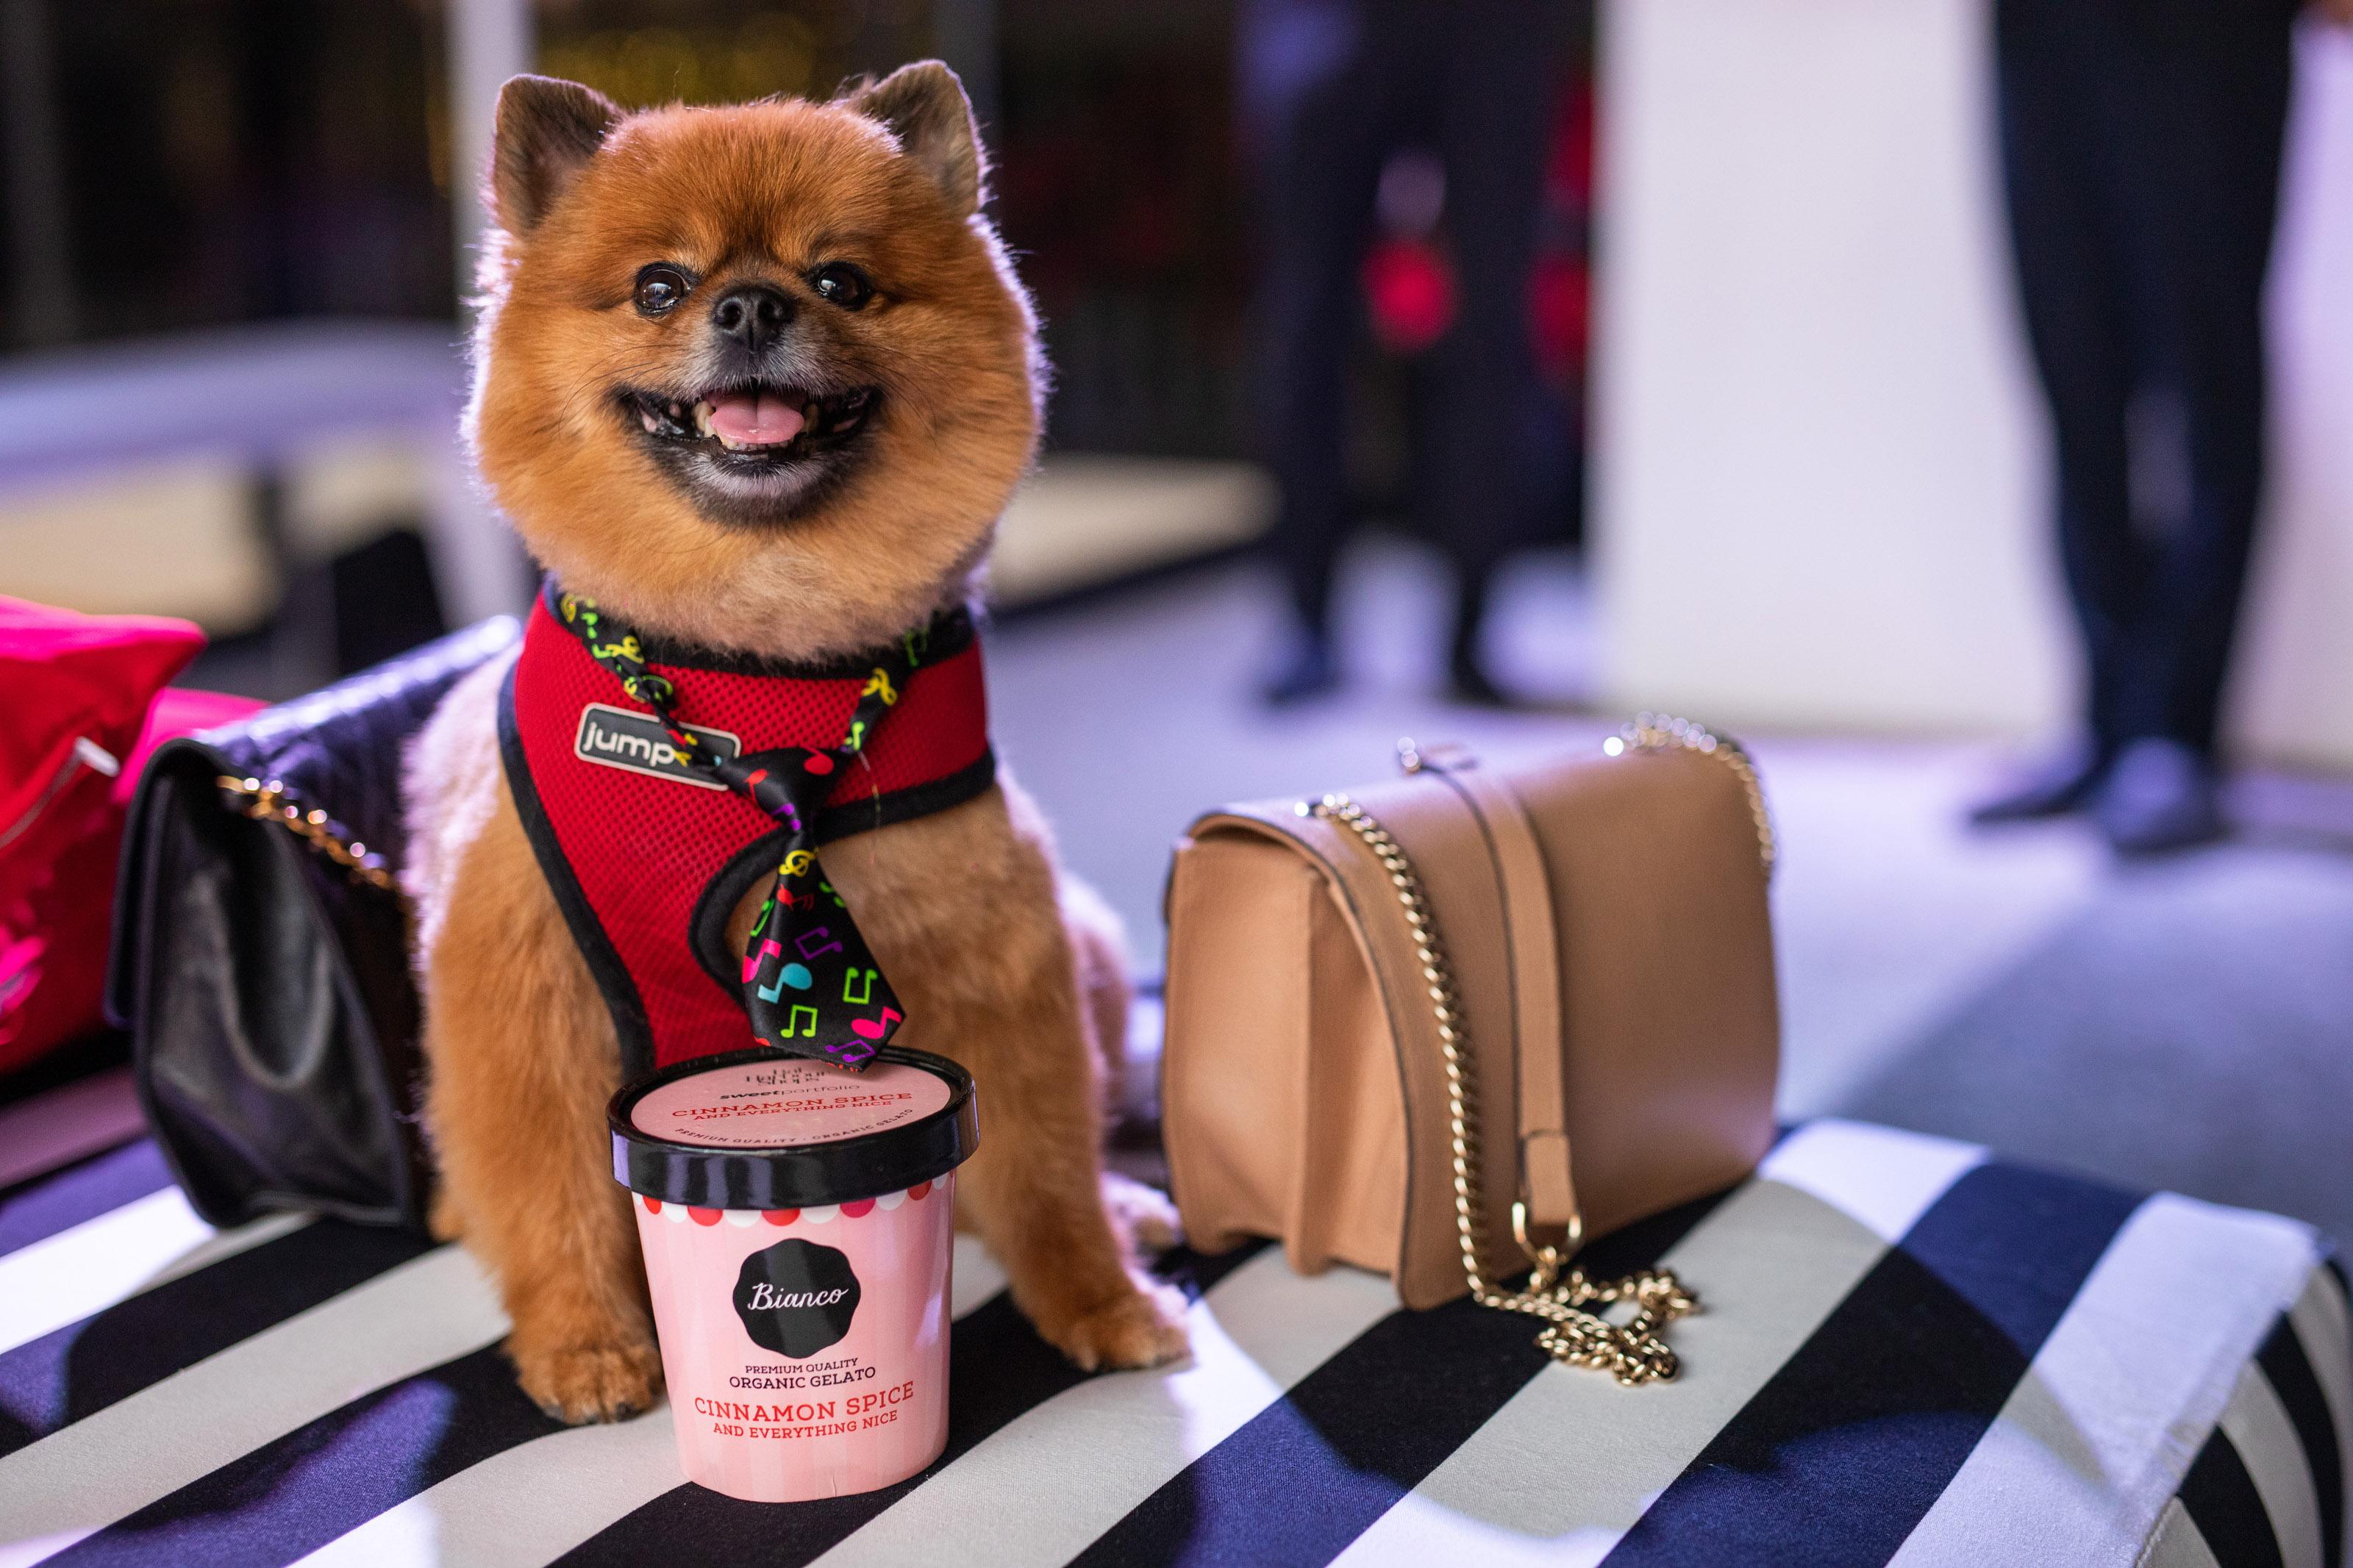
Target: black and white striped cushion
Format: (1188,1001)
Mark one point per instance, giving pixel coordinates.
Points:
(1910,1354)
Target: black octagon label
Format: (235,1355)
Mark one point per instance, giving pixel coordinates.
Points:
(796,1297)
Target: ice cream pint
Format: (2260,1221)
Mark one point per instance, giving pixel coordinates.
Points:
(795,1219)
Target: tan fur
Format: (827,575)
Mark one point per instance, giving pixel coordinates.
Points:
(521,1051)
(1101,951)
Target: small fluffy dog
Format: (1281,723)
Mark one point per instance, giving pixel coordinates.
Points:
(850,445)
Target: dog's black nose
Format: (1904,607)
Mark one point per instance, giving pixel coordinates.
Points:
(752,314)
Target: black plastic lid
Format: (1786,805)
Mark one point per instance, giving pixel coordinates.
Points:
(809,1176)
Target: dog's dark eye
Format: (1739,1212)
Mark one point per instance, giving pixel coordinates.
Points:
(840,283)
(660,288)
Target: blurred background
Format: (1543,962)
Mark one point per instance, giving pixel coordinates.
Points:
(1720,403)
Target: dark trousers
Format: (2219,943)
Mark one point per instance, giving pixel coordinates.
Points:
(2141,149)
(1329,90)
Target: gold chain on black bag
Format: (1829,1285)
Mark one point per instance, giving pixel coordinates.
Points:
(1575,1331)
(270,801)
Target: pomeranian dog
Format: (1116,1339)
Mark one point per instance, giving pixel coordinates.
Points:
(816,283)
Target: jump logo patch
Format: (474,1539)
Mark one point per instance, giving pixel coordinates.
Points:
(621,738)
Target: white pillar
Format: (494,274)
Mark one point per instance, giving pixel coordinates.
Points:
(490,40)
(477,566)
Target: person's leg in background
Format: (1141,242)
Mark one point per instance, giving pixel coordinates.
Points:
(2141,149)
(2057,63)
(1314,124)
(1501,68)
(2208,110)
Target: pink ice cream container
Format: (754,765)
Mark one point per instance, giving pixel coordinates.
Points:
(798,1224)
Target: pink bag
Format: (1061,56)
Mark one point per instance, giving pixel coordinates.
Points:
(79,712)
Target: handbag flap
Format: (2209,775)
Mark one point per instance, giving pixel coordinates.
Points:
(271,1019)
(1280,1108)
(1441,836)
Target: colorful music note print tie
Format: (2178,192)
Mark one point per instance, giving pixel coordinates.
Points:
(810,984)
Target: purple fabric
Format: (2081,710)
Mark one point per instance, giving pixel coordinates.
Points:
(289,1498)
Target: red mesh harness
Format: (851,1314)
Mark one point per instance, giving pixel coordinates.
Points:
(648,862)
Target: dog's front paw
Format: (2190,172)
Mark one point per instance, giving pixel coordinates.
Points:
(1142,1214)
(1143,1326)
(577,1383)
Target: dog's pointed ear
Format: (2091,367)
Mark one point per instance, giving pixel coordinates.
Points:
(925,106)
(547,129)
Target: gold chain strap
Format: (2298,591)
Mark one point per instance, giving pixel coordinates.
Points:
(1634,1351)
(1664,732)
(270,801)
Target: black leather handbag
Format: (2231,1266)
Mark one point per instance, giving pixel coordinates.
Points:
(260,956)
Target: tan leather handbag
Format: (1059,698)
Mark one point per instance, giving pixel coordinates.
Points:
(1448,1026)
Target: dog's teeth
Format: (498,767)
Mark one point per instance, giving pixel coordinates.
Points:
(702,418)
(677,411)
(652,425)
(733,444)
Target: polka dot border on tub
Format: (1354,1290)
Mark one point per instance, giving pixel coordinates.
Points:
(680,1214)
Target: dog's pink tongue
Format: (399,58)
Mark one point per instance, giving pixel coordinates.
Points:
(755,420)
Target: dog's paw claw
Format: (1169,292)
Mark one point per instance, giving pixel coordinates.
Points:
(579,1383)
(1142,1327)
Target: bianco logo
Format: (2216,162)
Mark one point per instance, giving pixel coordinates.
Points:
(636,741)
(796,1297)
(766,1297)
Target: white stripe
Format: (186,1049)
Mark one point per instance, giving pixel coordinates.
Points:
(2325,1329)
(537,1500)
(2257,1424)
(65,1277)
(1769,1265)
(2099,1433)
(1879,1177)
(1042,1486)
(2178,1542)
(116,1460)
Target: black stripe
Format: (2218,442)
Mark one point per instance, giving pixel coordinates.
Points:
(1310,1473)
(1838,1456)
(290,1497)
(612,976)
(81,1368)
(2221,1501)
(63,1199)
(2289,1372)
(999,1369)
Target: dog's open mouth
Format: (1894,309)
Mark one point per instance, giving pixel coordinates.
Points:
(757,426)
